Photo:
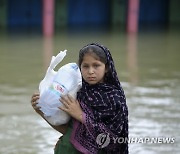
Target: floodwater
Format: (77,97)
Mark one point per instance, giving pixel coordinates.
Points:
(148,66)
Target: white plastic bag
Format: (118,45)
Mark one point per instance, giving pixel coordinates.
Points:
(67,80)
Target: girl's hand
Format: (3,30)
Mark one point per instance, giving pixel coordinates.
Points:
(61,128)
(72,107)
(34,103)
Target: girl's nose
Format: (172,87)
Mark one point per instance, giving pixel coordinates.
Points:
(91,71)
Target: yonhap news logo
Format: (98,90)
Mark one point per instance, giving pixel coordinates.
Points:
(103,140)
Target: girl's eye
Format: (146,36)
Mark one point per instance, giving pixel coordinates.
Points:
(85,66)
(96,65)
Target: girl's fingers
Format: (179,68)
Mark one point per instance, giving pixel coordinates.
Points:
(77,102)
(64,102)
(34,98)
(71,99)
(66,99)
(35,94)
(37,97)
(63,109)
(34,104)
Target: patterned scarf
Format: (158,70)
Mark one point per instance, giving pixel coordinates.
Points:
(105,112)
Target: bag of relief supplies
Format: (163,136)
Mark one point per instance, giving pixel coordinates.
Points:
(67,80)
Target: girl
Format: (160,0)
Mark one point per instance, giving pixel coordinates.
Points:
(100,114)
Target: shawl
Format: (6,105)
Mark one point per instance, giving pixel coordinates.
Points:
(104,112)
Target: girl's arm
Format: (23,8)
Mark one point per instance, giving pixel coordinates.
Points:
(61,128)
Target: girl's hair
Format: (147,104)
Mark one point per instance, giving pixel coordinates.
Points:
(99,52)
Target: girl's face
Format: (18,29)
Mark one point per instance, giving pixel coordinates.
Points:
(92,69)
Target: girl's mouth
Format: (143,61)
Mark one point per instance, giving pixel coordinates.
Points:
(91,78)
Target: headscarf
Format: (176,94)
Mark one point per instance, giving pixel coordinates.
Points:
(104,112)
